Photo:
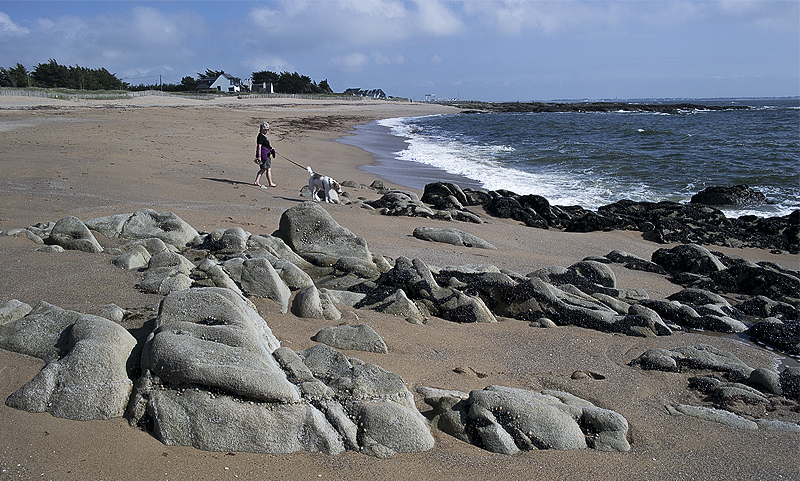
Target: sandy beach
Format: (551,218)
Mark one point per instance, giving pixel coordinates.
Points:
(195,158)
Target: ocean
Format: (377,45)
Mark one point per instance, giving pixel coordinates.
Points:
(594,159)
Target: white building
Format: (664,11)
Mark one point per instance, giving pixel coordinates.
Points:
(224,83)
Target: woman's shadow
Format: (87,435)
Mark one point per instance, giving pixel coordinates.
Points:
(228,181)
(241,182)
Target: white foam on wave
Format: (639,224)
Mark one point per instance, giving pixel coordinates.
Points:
(485,165)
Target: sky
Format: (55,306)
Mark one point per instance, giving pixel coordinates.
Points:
(492,50)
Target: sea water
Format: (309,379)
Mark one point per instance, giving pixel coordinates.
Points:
(594,159)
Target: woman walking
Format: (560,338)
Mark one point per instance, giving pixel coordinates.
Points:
(263,152)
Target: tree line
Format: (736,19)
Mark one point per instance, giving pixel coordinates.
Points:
(290,83)
(53,75)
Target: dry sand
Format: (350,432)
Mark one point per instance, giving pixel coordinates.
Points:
(194,158)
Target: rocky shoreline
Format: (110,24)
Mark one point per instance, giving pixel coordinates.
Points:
(704,415)
(210,374)
(540,107)
(662,222)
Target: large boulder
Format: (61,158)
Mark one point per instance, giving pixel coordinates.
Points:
(110,226)
(738,195)
(757,279)
(416,280)
(213,337)
(451,236)
(357,338)
(134,258)
(71,233)
(257,245)
(401,203)
(444,195)
(13,310)
(714,313)
(226,241)
(688,258)
(167,272)
(700,356)
(147,223)
(215,275)
(595,221)
(511,208)
(396,303)
(312,233)
(506,420)
(784,335)
(762,306)
(387,428)
(86,372)
(214,377)
(388,421)
(212,422)
(310,303)
(595,272)
(259,279)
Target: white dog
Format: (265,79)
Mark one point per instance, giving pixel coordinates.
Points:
(317,182)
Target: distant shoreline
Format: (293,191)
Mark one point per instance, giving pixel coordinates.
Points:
(674,108)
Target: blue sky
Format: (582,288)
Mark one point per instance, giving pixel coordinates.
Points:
(497,50)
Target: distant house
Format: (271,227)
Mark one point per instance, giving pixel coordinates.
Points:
(263,87)
(224,83)
(375,93)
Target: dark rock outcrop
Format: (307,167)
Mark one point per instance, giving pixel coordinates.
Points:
(738,195)
(662,222)
(444,195)
(785,335)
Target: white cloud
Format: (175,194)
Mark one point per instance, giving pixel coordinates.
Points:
(549,17)
(352,62)
(127,42)
(10,29)
(264,17)
(438,20)
(274,64)
(382,59)
(151,26)
(339,23)
(356,23)
(515,17)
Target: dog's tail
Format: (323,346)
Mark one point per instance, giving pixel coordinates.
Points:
(310,170)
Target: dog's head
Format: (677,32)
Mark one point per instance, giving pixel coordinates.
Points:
(336,186)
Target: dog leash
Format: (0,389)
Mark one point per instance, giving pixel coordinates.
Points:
(292,161)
